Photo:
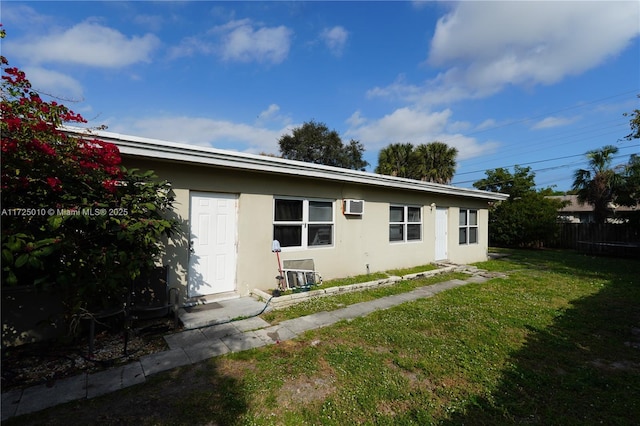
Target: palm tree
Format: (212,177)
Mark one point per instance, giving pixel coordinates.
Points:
(596,184)
(399,160)
(438,162)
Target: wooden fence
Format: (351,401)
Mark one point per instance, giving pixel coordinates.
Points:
(598,237)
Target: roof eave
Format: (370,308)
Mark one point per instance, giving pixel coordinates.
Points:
(157,149)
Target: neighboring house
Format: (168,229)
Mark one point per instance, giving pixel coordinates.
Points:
(574,212)
(233,205)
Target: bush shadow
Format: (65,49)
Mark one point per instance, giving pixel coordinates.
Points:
(198,394)
(582,369)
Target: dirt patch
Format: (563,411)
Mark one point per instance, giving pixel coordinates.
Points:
(306,390)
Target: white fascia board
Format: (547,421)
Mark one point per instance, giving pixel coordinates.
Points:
(171,151)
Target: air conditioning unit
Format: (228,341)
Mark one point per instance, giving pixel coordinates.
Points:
(353,207)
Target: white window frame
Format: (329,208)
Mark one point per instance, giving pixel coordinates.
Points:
(305,222)
(405,223)
(467,227)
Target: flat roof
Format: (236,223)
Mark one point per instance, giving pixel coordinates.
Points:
(172,151)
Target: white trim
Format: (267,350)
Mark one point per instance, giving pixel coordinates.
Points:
(405,223)
(171,151)
(305,222)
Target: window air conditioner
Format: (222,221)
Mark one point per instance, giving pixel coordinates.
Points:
(353,207)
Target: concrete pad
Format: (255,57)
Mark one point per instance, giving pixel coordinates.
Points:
(384,303)
(104,382)
(298,325)
(107,381)
(219,312)
(207,350)
(162,361)
(10,401)
(321,319)
(185,338)
(401,298)
(38,398)
(478,279)
(354,311)
(447,285)
(423,292)
(243,341)
(132,374)
(220,330)
(251,324)
(275,334)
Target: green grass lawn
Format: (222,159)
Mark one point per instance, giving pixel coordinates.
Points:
(557,342)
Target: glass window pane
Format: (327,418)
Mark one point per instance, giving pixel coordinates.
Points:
(288,235)
(320,235)
(288,211)
(463,218)
(320,211)
(396,232)
(473,217)
(473,235)
(413,214)
(413,232)
(396,214)
(462,237)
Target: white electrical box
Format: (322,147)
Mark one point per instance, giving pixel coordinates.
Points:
(353,207)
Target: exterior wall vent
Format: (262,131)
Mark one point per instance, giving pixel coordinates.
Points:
(353,207)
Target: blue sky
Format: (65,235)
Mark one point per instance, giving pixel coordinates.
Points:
(529,83)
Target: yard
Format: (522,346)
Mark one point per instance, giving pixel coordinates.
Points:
(557,342)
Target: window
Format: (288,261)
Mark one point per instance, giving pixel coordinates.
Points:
(468,227)
(405,223)
(303,223)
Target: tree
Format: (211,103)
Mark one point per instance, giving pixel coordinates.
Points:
(528,218)
(596,185)
(516,184)
(74,221)
(437,162)
(398,160)
(313,142)
(634,122)
(432,162)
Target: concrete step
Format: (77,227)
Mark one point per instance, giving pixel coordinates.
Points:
(219,312)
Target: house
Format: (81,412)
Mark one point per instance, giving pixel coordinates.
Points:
(574,212)
(233,205)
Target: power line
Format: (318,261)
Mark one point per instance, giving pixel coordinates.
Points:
(543,161)
(547,168)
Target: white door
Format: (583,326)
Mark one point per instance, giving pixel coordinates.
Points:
(441,233)
(212,246)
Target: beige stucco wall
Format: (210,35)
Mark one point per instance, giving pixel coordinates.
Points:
(361,244)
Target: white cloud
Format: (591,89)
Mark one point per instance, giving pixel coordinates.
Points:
(54,83)
(414,126)
(88,43)
(22,16)
(485,46)
(489,123)
(550,122)
(190,46)
(241,42)
(206,132)
(335,39)
(356,119)
(272,114)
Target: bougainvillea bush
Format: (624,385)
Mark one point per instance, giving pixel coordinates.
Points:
(74,220)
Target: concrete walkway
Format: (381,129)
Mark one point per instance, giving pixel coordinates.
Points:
(196,345)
